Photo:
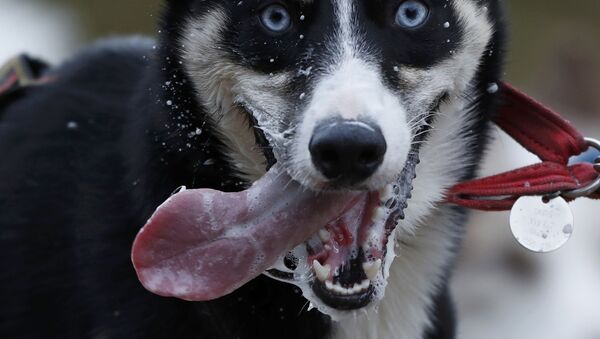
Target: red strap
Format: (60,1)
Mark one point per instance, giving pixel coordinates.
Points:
(8,83)
(544,133)
(539,129)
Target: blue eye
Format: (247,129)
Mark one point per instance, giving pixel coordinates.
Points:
(412,14)
(276,18)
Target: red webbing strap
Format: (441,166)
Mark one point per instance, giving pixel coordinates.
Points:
(544,133)
(11,81)
(21,72)
(539,129)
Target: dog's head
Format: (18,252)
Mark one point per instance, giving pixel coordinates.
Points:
(340,93)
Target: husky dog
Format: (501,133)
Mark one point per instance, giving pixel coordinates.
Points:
(343,95)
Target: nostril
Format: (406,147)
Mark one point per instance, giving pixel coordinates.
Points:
(327,158)
(368,158)
(328,155)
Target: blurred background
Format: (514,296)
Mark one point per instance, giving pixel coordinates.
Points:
(502,291)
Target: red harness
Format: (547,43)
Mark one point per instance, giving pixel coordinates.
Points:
(553,139)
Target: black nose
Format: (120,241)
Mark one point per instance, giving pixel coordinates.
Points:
(347,151)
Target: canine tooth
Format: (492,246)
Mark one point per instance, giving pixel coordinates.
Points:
(329,285)
(321,271)
(365,284)
(380,214)
(324,235)
(372,269)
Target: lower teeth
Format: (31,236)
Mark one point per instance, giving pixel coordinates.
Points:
(357,288)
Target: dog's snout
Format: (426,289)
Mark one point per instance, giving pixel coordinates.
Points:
(347,151)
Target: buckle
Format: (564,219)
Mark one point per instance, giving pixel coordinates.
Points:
(593,186)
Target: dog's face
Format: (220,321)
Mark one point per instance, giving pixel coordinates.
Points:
(340,89)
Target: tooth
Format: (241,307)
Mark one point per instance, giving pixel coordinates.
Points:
(340,290)
(321,271)
(372,269)
(357,288)
(380,214)
(365,284)
(329,285)
(324,235)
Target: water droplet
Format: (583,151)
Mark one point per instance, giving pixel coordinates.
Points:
(492,88)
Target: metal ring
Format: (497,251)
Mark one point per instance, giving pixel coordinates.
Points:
(595,185)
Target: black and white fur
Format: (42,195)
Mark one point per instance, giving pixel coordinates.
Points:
(87,158)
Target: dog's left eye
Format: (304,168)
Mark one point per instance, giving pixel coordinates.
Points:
(276,18)
(412,14)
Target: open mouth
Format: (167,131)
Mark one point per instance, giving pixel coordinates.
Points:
(347,255)
(204,244)
(344,263)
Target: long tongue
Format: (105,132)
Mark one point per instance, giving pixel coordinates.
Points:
(203,244)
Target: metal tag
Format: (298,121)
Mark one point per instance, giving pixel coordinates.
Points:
(541,226)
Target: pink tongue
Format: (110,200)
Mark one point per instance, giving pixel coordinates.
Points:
(203,244)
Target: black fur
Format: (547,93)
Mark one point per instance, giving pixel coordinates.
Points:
(85,161)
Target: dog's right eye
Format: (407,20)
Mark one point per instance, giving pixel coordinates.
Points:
(276,18)
(412,14)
